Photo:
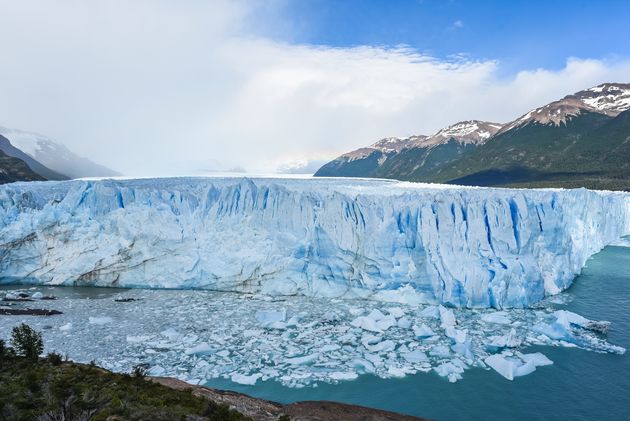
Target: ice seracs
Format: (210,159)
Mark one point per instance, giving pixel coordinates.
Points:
(386,241)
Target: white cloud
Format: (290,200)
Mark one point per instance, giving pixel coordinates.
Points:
(163,87)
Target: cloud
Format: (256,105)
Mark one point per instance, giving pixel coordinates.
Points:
(458,24)
(156,87)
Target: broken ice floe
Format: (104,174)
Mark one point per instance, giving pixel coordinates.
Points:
(298,341)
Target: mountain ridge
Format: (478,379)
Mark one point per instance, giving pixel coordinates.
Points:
(565,143)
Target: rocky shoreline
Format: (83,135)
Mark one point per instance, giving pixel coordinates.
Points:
(261,409)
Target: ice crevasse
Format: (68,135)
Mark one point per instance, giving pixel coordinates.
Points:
(385,240)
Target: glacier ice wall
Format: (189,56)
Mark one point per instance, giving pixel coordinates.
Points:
(465,247)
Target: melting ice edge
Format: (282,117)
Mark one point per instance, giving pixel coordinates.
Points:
(443,254)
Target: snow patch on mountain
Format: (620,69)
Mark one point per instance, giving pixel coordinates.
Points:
(54,155)
(608,98)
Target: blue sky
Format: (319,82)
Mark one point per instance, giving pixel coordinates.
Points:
(520,34)
(157,87)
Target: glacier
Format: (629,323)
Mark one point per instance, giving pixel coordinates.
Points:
(382,240)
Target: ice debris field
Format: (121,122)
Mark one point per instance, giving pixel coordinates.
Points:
(383,240)
(300,341)
(306,281)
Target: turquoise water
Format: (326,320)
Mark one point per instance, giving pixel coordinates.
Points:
(581,385)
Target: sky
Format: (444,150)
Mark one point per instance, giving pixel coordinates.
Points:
(183,87)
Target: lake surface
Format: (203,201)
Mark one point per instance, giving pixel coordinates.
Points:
(580,385)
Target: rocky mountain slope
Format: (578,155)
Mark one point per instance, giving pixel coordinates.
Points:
(53,155)
(14,169)
(581,140)
(46,173)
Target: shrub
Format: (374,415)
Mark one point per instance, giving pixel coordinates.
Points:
(27,342)
(140,371)
(6,352)
(54,358)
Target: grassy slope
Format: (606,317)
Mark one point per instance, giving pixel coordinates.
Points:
(42,390)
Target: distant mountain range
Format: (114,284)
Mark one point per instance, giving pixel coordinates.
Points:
(44,159)
(582,140)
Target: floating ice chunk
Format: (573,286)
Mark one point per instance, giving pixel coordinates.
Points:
(370,340)
(202,349)
(525,369)
(503,366)
(396,372)
(537,358)
(386,322)
(100,320)
(269,316)
(384,346)
(464,349)
(171,334)
(404,322)
(511,340)
(374,359)
(511,367)
(343,375)
(137,339)
(11,296)
(65,328)
(330,348)
(440,351)
(452,370)
(447,317)
(423,331)
(304,360)
(250,333)
(416,356)
(397,312)
(455,334)
(293,321)
(37,296)
(431,312)
(553,331)
(355,311)
(567,318)
(376,315)
(156,370)
(366,323)
(498,317)
(275,325)
(224,353)
(246,380)
(363,366)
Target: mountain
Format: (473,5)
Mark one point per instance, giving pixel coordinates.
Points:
(411,157)
(581,140)
(54,156)
(14,169)
(33,164)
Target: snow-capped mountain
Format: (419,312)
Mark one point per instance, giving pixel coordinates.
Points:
(608,98)
(37,167)
(13,168)
(580,140)
(375,156)
(54,155)
(467,132)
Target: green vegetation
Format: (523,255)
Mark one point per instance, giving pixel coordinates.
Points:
(590,150)
(52,389)
(27,342)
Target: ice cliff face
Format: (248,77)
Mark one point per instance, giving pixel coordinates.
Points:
(465,247)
